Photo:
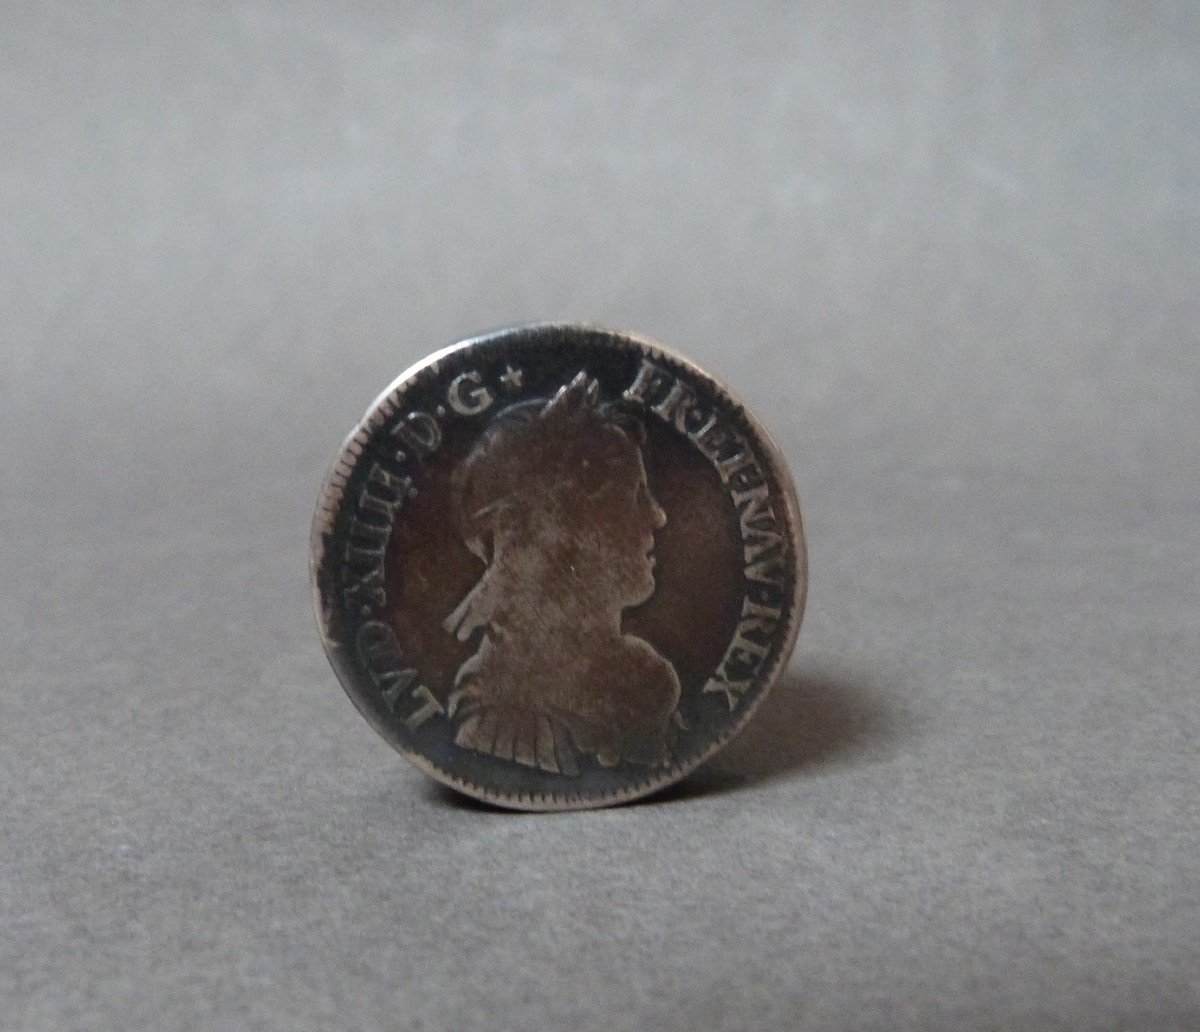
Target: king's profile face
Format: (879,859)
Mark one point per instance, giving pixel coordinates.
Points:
(617,532)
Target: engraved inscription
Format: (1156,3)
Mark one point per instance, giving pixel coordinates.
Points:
(554,500)
(386,489)
(467,396)
(765,552)
(419,433)
(750,646)
(382,495)
(428,707)
(379,651)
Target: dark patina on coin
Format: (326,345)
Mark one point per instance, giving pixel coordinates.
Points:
(558,567)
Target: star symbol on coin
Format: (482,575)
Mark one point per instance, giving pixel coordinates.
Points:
(512,378)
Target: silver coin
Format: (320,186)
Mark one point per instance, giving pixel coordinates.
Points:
(558,567)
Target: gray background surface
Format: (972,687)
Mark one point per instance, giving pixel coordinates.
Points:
(949,254)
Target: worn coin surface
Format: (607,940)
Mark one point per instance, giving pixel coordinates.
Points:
(558,567)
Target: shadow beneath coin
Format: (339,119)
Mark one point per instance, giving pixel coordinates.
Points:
(444,795)
(811,718)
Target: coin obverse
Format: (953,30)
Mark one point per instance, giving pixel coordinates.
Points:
(558,567)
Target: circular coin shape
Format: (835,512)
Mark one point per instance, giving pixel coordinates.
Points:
(558,567)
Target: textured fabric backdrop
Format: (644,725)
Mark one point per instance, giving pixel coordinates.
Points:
(948,252)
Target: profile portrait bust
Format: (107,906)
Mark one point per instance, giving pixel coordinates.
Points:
(554,500)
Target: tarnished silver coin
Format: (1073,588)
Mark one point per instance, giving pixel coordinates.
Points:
(558,567)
